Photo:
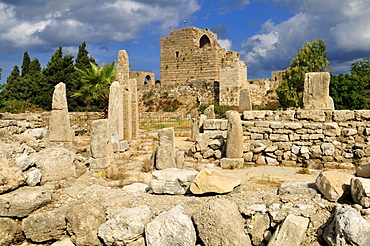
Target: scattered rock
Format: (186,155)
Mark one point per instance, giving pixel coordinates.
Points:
(211,180)
(11,177)
(297,188)
(10,232)
(125,227)
(171,228)
(172,181)
(291,232)
(219,223)
(360,190)
(347,227)
(136,188)
(334,184)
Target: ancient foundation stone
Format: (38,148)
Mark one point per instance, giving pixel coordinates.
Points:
(316,91)
(334,184)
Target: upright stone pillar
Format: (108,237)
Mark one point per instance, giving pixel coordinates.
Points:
(165,152)
(210,112)
(316,91)
(194,129)
(122,75)
(135,108)
(245,103)
(234,142)
(115,110)
(61,134)
(100,146)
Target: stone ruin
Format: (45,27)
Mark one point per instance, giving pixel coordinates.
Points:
(192,54)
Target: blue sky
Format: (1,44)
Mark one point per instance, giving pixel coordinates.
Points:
(267,33)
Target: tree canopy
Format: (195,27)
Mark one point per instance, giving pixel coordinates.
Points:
(312,57)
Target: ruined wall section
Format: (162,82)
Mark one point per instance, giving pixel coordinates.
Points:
(143,78)
(190,54)
(262,91)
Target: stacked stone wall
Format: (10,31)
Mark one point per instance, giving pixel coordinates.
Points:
(304,138)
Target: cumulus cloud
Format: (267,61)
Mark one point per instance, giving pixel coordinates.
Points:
(231,5)
(341,24)
(225,43)
(33,23)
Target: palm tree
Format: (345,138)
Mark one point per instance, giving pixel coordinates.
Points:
(95,83)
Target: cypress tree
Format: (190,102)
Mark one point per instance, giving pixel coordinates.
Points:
(25,63)
(11,90)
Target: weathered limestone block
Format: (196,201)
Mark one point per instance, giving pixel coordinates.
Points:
(363,171)
(347,228)
(165,153)
(115,110)
(45,226)
(214,181)
(100,138)
(59,97)
(23,201)
(257,227)
(234,141)
(134,108)
(312,115)
(136,188)
(60,127)
(210,112)
(55,164)
(194,129)
(125,227)
(333,184)
(38,133)
(33,176)
(231,163)
(122,74)
(360,190)
(64,242)
(328,148)
(83,220)
(10,232)
(171,228)
(172,181)
(291,232)
(316,91)
(297,188)
(362,115)
(343,115)
(11,177)
(245,103)
(23,161)
(220,223)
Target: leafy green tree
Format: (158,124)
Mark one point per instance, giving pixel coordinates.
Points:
(348,91)
(95,83)
(0,72)
(58,69)
(25,63)
(311,58)
(11,90)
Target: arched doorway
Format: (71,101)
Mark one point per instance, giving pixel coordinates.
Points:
(204,41)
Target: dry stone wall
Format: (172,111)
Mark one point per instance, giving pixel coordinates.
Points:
(306,138)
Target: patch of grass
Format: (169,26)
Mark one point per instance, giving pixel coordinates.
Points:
(304,170)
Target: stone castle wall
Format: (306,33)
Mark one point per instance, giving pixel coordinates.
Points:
(143,78)
(304,138)
(193,54)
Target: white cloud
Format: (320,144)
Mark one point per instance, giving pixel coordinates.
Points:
(225,43)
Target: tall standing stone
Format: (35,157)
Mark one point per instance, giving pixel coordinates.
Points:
(100,146)
(316,91)
(122,74)
(134,108)
(115,110)
(194,129)
(234,140)
(245,103)
(59,125)
(210,112)
(165,153)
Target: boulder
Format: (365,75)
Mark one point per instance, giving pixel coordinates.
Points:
(45,226)
(231,163)
(219,223)
(10,232)
(37,133)
(360,190)
(125,227)
(258,226)
(347,228)
(23,161)
(11,177)
(333,184)
(23,201)
(291,232)
(211,180)
(55,164)
(363,171)
(297,188)
(83,220)
(172,181)
(136,188)
(33,177)
(171,228)
(64,242)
